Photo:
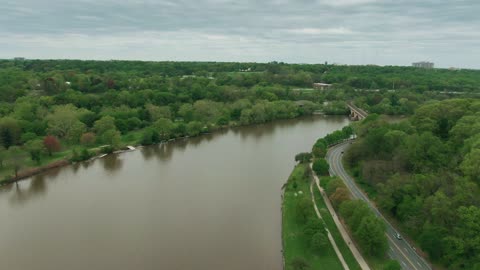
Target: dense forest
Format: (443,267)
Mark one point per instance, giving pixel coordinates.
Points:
(424,172)
(53,109)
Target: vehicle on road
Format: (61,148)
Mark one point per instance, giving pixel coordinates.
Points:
(398,236)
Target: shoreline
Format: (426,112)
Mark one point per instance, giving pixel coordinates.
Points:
(32,171)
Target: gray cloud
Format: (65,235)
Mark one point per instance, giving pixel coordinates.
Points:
(311,31)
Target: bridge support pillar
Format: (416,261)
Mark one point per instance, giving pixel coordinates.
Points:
(354,116)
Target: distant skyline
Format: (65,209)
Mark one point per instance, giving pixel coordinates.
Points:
(303,31)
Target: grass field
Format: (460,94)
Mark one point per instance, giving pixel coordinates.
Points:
(295,244)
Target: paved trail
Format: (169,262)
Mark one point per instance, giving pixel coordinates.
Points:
(332,241)
(346,237)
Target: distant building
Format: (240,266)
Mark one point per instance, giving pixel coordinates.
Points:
(321,86)
(423,64)
(19,58)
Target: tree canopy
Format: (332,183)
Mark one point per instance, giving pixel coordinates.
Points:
(425,173)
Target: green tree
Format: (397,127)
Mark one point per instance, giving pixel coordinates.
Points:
(9,132)
(312,226)
(104,124)
(16,158)
(470,165)
(164,127)
(194,128)
(299,263)
(157,112)
(35,149)
(319,149)
(392,265)
(319,241)
(186,112)
(303,157)
(3,155)
(320,166)
(75,132)
(371,236)
(303,208)
(207,111)
(150,136)
(111,137)
(63,119)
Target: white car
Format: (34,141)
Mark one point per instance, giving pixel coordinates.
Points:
(398,236)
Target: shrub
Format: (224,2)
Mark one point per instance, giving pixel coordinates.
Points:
(319,240)
(107,149)
(320,166)
(303,157)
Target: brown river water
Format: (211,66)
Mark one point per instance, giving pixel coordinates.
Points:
(210,202)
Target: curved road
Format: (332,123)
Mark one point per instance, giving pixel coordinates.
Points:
(399,250)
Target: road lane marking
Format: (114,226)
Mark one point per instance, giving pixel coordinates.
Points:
(405,256)
(335,157)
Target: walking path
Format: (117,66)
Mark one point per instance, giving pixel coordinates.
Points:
(346,237)
(332,241)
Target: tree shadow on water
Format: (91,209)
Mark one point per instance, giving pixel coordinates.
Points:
(112,163)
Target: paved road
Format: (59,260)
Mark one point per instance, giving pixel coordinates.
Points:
(398,249)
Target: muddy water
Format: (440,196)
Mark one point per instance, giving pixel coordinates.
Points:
(211,202)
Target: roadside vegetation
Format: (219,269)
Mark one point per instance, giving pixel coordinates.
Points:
(332,227)
(363,225)
(305,241)
(424,173)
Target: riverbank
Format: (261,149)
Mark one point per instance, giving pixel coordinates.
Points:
(297,247)
(149,187)
(63,158)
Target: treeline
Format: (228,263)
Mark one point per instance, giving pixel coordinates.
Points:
(319,149)
(86,104)
(38,127)
(361,77)
(392,90)
(424,172)
(367,229)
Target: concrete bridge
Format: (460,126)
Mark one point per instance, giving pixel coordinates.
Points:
(356,113)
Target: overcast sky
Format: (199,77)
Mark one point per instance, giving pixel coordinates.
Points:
(389,32)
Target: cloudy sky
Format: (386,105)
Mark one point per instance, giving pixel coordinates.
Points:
(385,32)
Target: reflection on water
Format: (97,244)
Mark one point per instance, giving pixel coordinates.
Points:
(112,163)
(25,191)
(208,202)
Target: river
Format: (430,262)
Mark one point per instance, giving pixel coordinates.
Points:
(210,202)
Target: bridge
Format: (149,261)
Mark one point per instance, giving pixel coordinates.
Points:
(356,113)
